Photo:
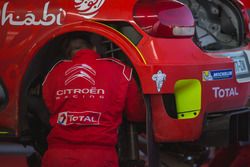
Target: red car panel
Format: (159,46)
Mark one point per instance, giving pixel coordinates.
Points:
(27,28)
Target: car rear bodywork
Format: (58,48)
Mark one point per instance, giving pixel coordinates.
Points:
(193,77)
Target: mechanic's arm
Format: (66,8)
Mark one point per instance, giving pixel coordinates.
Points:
(135,106)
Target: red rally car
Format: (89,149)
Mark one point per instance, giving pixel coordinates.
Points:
(191,59)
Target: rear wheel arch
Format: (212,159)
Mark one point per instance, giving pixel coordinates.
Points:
(36,60)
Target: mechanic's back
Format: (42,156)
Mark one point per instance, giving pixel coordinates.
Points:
(86,97)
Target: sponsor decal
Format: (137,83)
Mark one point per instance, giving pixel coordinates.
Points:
(159,79)
(88,8)
(225,92)
(80,71)
(79,118)
(30,19)
(217,75)
(91,93)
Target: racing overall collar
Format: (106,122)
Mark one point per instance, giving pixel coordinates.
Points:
(86,54)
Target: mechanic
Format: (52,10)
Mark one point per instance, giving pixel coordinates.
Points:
(86,97)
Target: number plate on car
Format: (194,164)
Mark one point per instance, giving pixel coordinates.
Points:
(240,65)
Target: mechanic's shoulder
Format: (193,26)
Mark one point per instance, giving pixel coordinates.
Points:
(113,61)
(56,69)
(58,66)
(124,69)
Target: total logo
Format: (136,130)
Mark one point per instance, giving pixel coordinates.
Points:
(79,118)
(225,92)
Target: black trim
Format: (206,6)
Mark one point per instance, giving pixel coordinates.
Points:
(152,147)
(224,128)
(127,30)
(3,96)
(170,105)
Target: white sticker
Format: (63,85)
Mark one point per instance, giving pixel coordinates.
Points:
(225,92)
(88,8)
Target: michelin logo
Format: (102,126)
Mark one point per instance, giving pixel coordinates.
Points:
(214,75)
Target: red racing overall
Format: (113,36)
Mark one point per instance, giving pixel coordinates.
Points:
(86,97)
